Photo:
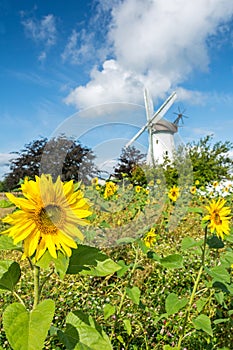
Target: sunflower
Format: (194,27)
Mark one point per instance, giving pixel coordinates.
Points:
(138,188)
(110,189)
(150,238)
(193,189)
(94,181)
(218,217)
(48,217)
(174,193)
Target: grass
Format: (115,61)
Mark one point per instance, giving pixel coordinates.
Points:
(155,282)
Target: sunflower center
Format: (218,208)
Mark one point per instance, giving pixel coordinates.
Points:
(50,218)
(216,218)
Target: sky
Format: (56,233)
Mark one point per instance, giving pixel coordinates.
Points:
(60,59)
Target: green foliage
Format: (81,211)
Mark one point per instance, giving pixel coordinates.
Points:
(130,166)
(210,161)
(90,261)
(90,335)
(173,304)
(10,274)
(58,156)
(27,330)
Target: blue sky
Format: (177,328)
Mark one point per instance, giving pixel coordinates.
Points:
(61,57)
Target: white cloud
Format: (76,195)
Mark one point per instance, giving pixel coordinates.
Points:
(4,163)
(79,47)
(42,31)
(155,43)
(5,158)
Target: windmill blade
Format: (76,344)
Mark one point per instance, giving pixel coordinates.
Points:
(156,117)
(148,104)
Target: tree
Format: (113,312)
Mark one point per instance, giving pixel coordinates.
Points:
(130,165)
(210,161)
(59,156)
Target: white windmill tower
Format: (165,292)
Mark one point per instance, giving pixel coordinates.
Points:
(161,132)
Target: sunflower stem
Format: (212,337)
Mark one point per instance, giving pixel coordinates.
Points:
(18,297)
(36,286)
(182,336)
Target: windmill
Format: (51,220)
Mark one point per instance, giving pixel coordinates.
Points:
(180,116)
(160,131)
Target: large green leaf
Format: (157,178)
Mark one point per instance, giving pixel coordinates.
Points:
(103,268)
(27,330)
(91,335)
(173,304)
(174,261)
(134,294)
(189,242)
(215,242)
(91,261)
(203,322)
(61,263)
(9,274)
(220,274)
(6,243)
(70,337)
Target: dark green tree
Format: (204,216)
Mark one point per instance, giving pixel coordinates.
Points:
(130,165)
(59,156)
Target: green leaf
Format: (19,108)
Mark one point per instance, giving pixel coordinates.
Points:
(134,294)
(61,263)
(109,310)
(123,269)
(127,326)
(173,304)
(201,303)
(121,340)
(91,335)
(215,242)
(189,242)
(221,320)
(103,268)
(6,243)
(27,330)
(9,274)
(70,337)
(220,274)
(6,204)
(88,260)
(168,347)
(174,261)
(203,322)
(219,297)
(153,255)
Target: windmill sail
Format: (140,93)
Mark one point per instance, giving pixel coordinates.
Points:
(155,117)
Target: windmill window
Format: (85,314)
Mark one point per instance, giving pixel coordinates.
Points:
(166,152)
(157,141)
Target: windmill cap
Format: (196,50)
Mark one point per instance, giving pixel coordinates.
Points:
(165,126)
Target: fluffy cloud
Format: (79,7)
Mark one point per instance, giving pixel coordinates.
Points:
(4,163)
(79,47)
(41,31)
(155,43)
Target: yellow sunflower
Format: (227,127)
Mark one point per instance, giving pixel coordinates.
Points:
(48,217)
(94,181)
(110,189)
(174,193)
(193,189)
(218,217)
(150,238)
(138,189)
